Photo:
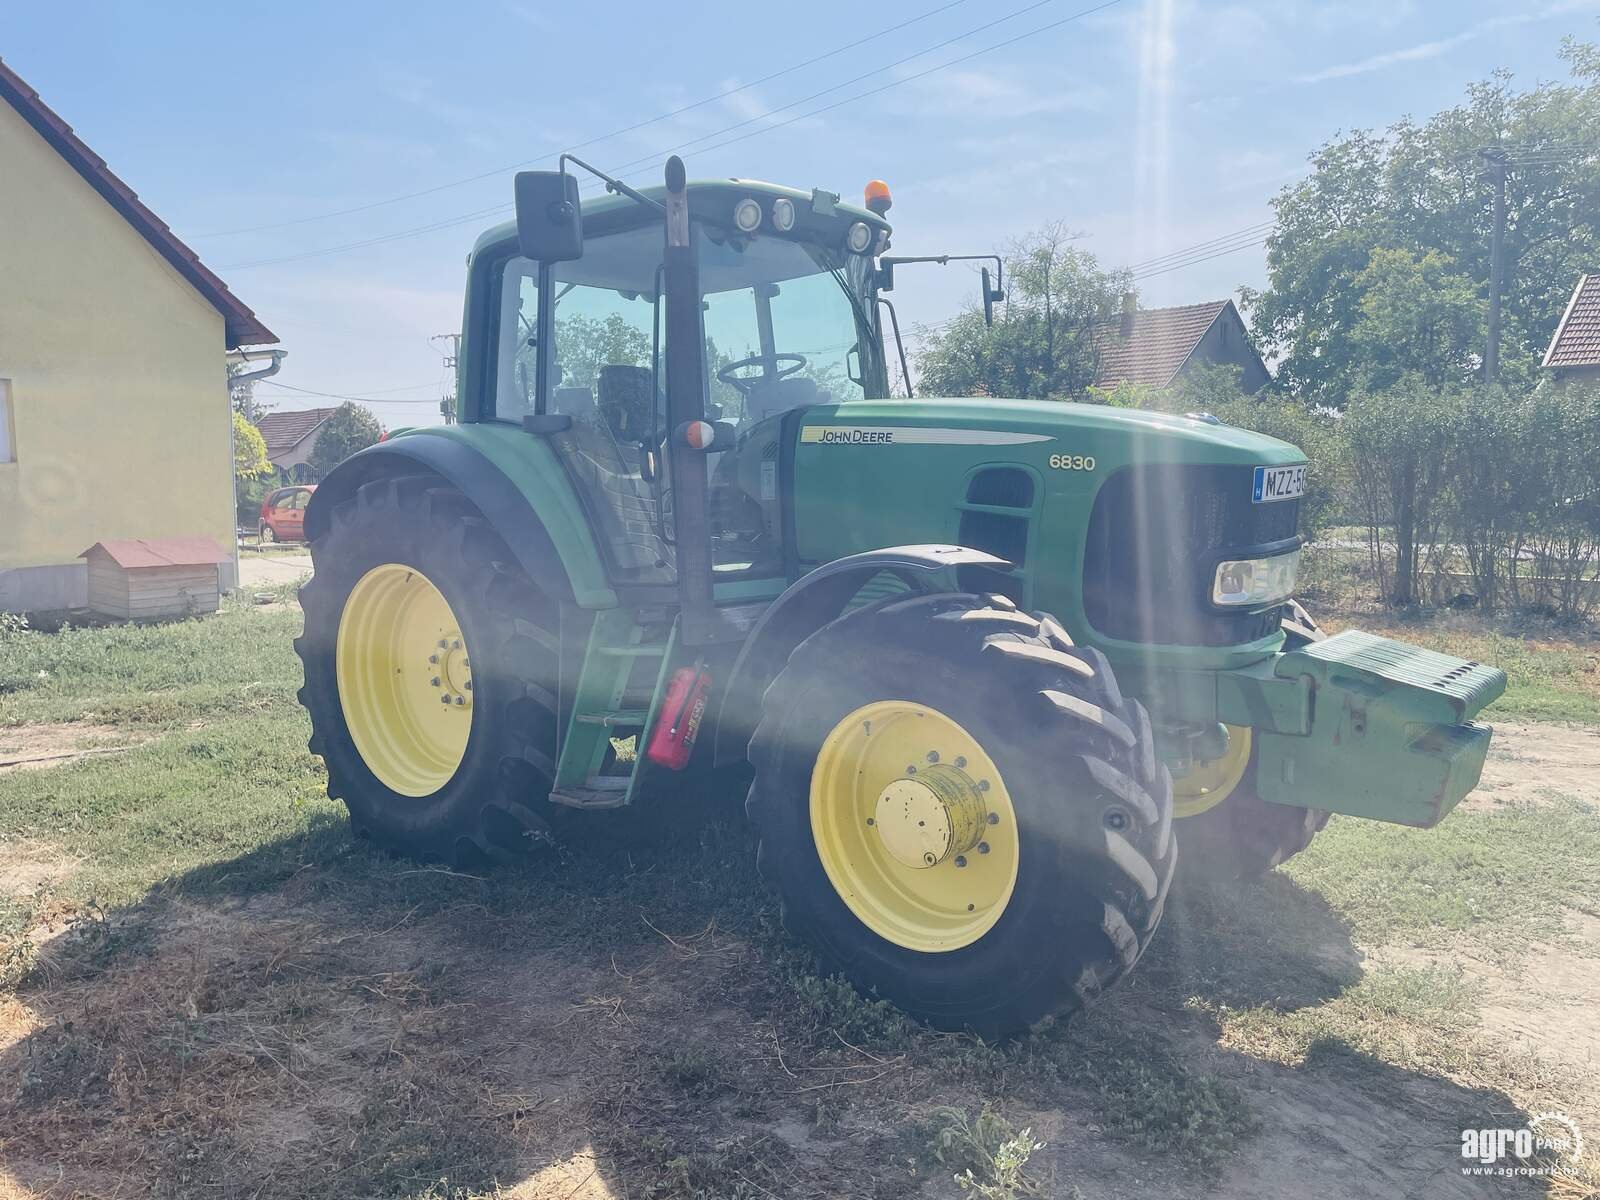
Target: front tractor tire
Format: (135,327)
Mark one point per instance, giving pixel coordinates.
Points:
(428,685)
(1228,831)
(960,811)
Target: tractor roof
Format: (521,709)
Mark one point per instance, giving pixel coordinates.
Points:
(709,198)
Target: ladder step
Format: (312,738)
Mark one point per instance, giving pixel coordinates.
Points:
(614,716)
(591,797)
(641,651)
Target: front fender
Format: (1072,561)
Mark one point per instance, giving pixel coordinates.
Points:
(806,606)
(513,478)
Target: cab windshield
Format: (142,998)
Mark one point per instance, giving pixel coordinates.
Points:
(786,324)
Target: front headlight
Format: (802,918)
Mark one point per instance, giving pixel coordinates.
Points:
(1255,580)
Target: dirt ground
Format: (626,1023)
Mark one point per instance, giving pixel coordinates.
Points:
(279,1044)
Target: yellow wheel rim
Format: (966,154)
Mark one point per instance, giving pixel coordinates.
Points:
(914,826)
(1207,784)
(405,679)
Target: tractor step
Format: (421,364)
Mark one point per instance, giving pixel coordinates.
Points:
(615,716)
(618,686)
(593,797)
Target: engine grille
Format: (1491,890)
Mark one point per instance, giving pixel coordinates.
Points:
(1154,538)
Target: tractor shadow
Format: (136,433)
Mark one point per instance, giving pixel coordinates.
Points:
(622,1017)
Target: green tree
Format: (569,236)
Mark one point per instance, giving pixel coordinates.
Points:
(249,449)
(252,470)
(1418,316)
(1041,345)
(1428,189)
(350,428)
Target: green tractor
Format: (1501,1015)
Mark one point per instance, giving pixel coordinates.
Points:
(987,662)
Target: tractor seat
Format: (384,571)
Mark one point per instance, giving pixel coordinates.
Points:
(627,395)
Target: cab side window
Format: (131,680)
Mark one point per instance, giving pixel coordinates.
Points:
(517,347)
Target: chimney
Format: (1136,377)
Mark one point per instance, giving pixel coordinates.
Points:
(1130,305)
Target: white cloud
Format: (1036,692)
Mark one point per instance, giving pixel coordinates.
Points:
(990,95)
(1433,49)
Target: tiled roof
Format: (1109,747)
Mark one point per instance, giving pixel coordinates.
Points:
(1577,339)
(1160,343)
(241,326)
(283,431)
(129,553)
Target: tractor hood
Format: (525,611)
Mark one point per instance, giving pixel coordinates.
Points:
(1035,427)
(1053,489)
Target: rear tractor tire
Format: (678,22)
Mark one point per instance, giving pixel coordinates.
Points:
(1228,831)
(961,812)
(431,692)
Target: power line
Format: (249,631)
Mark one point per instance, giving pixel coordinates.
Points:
(1159,259)
(604,137)
(661,156)
(366,399)
(923,53)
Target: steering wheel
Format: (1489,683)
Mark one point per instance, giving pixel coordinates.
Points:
(746,383)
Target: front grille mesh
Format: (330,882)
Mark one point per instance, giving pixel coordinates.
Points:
(1154,538)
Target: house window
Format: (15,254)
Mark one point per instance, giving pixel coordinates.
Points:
(8,441)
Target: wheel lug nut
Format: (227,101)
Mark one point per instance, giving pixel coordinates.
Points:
(961,860)
(460,700)
(456,645)
(961,760)
(994,818)
(871,821)
(434,681)
(933,756)
(911,770)
(467,685)
(983,847)
(433,658)
(443,645)
(444,699)
(983,785)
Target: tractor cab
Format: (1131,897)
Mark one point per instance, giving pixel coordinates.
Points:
(786,321)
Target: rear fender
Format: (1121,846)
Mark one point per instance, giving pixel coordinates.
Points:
(506,483)
(810,603)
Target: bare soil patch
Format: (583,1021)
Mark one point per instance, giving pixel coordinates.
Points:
(24,747)
(27,868)
(1529,762)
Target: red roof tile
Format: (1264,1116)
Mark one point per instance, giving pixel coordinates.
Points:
(241,325)
(160,552)
(1577,339)
(1160,343)
(283,431)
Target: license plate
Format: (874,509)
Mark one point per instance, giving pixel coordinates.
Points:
(1279,483)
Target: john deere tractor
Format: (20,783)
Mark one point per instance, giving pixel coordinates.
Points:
(990,663)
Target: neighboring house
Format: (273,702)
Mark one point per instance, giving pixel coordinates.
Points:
(115,420)
(291,437)
(1575,349)
(1153,347)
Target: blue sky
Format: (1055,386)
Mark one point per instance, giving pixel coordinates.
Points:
(1147,126)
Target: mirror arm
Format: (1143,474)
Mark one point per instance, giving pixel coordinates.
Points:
(612,184)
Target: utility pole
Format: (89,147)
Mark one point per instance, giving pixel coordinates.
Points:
(1497,263)
(447,402)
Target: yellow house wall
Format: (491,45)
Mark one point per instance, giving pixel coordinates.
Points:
(116,367)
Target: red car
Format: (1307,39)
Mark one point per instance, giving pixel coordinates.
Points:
(283,514)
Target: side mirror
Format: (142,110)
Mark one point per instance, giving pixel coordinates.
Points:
(549,216)
(991,293)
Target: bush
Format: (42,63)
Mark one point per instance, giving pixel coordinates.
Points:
(1401,442)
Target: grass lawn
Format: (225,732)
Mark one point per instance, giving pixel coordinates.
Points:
(208,988)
